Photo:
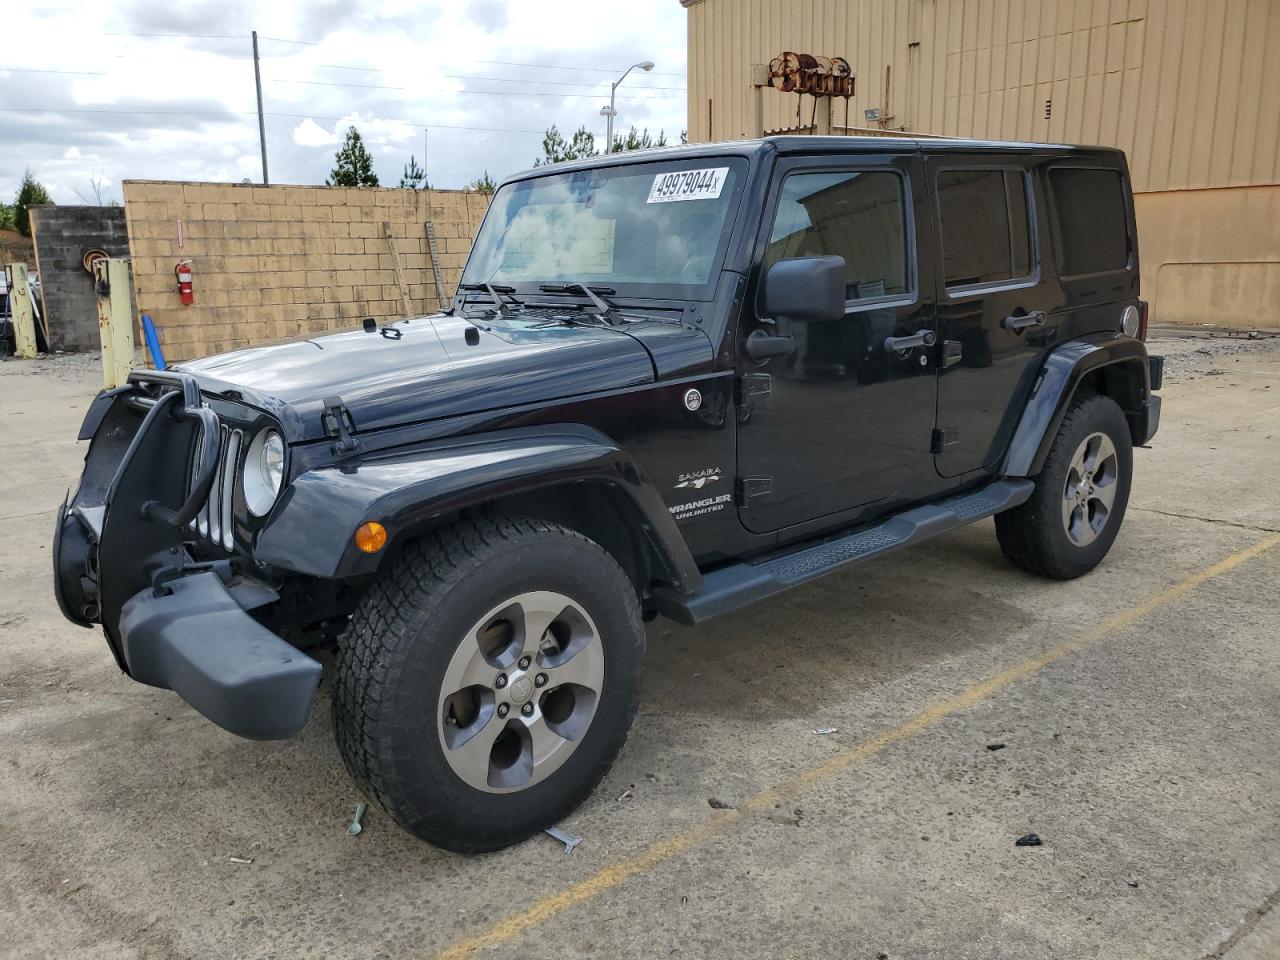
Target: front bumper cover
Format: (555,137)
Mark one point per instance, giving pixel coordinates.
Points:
(194,638)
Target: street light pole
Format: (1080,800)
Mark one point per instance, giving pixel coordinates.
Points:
(611,112)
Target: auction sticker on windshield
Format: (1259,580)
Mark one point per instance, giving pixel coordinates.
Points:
(703,184)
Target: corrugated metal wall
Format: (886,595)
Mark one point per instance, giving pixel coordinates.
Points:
(1189,88)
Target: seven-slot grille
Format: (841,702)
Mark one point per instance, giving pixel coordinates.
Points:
(213,522)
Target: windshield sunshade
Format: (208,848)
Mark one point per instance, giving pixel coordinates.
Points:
(644,224)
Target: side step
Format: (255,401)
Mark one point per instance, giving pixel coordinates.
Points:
(740,584)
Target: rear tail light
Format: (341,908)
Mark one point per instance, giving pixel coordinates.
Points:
(1133,320)
(1142,320)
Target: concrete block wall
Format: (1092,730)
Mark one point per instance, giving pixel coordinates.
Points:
(282,262)
(62,236)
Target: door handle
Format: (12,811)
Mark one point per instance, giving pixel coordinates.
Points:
(1016,323)
(921,338)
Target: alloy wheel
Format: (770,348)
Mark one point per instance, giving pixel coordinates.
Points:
(520,692)
(1090,490)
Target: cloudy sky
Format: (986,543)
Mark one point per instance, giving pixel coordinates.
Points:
(152,90)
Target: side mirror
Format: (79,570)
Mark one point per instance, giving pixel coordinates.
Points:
(799,290)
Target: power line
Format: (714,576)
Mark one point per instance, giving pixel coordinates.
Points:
(230,114)
(334,83)
(305,43)
(79,73)
(494,93)
(553,66)
(183,36)
(336,66)
(535,93)
(412,123)
(558,83)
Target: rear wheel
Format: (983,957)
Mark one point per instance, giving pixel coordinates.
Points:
(486,684)
(1068,525)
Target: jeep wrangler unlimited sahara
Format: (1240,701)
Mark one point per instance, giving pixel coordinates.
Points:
(674,382)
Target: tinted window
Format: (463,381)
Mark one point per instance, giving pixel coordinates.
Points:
(858,216)
(985,228)
(1092,228)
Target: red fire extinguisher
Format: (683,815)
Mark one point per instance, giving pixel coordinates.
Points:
(183,272)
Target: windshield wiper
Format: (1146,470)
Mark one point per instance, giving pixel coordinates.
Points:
(495,292)
(605,311)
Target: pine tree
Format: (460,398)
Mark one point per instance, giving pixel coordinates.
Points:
(482,184)
(638,140)
(414,177)
(30,193)
(354,164)
(555,149)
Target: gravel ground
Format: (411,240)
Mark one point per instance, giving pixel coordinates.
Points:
(1191,356)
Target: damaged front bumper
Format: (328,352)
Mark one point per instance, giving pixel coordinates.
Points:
(195,639)
(119,559)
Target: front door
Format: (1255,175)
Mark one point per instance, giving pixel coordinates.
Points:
(994,314)
(840,429)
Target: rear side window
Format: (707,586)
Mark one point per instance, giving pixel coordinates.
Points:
(1092,228)
(858,215)
(986,235)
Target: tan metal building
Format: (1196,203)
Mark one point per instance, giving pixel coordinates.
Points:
(1190,89)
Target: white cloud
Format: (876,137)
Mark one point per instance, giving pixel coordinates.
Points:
(310,134)
(168,107)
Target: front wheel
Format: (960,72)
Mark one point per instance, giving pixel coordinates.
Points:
(1069,523)
(488,680)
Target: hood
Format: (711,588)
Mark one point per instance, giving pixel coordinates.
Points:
(428,372)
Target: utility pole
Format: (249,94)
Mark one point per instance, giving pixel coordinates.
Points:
(426,180)
(262,124)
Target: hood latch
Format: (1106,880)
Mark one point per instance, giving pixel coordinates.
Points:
(339,425)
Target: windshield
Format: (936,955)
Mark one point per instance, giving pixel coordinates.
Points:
(626,227)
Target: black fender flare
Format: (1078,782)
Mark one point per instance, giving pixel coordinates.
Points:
(311,529)
(1064,369)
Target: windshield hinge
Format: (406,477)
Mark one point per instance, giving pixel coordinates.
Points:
(339,425)
(753,389)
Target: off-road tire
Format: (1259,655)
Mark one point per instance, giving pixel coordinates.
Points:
(1033,536)
(392,658)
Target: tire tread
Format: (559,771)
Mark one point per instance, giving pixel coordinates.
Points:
(389,615)
(1025,532)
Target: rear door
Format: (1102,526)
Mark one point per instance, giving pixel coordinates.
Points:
(841,428)
(993,310)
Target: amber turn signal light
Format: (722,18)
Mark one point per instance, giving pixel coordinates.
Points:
(371,536)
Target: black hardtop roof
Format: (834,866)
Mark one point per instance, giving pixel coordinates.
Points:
(809,144)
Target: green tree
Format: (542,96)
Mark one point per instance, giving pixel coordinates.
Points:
(483,184)
(30,193)
(354,164)
(7,216)
(637,140)
(556,149)
(414,177)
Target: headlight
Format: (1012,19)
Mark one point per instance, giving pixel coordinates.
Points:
(263,472)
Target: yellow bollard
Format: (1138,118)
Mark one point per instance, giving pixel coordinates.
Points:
(115,320)
(20,308)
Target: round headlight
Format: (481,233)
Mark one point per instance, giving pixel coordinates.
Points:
(1130,320)
(263,472)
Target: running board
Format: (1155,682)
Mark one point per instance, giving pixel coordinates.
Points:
(740,584)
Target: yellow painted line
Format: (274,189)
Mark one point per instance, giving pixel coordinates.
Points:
(663,850)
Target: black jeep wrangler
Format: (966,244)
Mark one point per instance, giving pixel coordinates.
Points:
(675,382)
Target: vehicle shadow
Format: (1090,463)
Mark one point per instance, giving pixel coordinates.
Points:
(846,633)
